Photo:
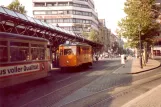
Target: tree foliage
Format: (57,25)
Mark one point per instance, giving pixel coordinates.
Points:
(16,6)
(115,47)
(93,36)
(85,34)
(139,17)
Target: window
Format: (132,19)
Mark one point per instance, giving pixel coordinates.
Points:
(87,21)
(61,52)
(60,12)
(78,50)
(48,12)
(39,12)
(49,4)
(19,51)
(90,14)
(37,52)
(3,51)
(74,12)
(54,12)
(62,3)
(79,21)
(78,13)
(55,20)
(66,12)
(49,21)
(84,21)
(60,20)
(70,51)
(39,4)
(74,20)
(70,3)
(66,20)
(70,12)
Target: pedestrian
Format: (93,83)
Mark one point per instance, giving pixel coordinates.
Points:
(123,60)
(96,58)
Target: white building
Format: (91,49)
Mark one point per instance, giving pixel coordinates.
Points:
(72,15)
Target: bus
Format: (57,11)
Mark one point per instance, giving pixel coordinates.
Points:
(75,55)
(23,58)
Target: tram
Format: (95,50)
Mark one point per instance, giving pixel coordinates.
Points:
(75,55)
(23,58)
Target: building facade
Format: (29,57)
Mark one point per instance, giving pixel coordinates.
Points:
(73,15)
(104,35)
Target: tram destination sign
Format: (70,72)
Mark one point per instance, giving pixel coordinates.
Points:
(18,69)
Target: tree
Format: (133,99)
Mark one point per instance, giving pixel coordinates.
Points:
(115,47)
(85,34)
(139,13)
(93,36)
(16,6)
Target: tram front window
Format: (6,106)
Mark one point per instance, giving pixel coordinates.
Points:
(69,52)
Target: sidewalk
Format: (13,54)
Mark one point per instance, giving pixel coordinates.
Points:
(132,66)
(149,99)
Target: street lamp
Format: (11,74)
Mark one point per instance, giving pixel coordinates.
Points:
(139,28)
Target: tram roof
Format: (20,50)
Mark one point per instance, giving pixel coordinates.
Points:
(18,36)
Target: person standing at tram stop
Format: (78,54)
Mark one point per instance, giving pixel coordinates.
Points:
(123,59)
(96,57)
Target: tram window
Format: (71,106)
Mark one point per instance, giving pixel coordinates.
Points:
(37,45)
(37,52)
(61,52)
(68,52)
(19,54)
(3,54)
(42,54)
(3,51)
(19,51)
(19,44)
(78,50)
(3,43)
(74,50)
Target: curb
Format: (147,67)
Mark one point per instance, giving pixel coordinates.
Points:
(146,70)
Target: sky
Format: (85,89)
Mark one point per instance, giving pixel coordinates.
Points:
(110,10)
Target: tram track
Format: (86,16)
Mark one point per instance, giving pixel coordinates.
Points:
(55,96)
(76,82)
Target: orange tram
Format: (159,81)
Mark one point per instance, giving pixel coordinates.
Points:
(22,59)
(74,55)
